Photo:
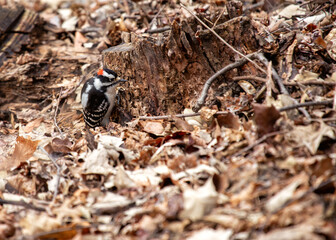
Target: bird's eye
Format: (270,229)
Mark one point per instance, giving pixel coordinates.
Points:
(110,72)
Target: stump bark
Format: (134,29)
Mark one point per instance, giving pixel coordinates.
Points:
(16,26)
(167,76)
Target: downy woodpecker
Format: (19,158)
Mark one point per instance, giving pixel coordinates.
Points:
(98,97)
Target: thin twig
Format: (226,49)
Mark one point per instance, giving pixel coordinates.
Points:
(275,75)
(159,30)
(260,140)
(58,172)
(127,9)
(23,204)
(69,92)
(305,104)
(201,100)
(178,116)
(279,81)
(270,84)
(331,119)
(250,77)
(219,16)
(298,105)
(220,38)
(254,6)
(55,116)
(155,17)
(263,80)
(110,210)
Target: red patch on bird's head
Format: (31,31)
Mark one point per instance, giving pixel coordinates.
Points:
(100,72)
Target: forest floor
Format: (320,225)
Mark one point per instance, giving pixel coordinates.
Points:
(257,161)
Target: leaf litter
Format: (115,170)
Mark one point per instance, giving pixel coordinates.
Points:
(254,172)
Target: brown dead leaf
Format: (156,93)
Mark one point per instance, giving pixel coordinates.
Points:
(311,135)
(319,41)
(207,114)
(79,40)
(182,124)
(181,162)
(122,179)
(59,145)
(221,182)
(35,223)
(97,162)
(193,121)
(245,194)
(33,124)
(225,220)
(299,232)
(208,233)
(265,118)
(180,135)
(154,127)
(24,149)
(22,184)
(282,197)
(330,40)
(247,87)
(228,120)
(147,224)
(199,202)
(7,228)
(58,234)
(175,205)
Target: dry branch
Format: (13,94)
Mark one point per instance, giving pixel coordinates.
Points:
(279,81)
(23,204)
(201,100)
(305,104)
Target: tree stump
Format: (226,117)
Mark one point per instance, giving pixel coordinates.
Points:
(167,76)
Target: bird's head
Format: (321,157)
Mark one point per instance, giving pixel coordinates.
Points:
(109,75)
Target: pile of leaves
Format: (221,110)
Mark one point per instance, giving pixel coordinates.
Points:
(262,169)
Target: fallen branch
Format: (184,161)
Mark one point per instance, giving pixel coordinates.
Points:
(260,140)
(250,77)
(305,104)
(201,100)
(298,105)
(177,115)
(56,110)
(154,20)
(263,80)
(159,30)
(110,210)
(275,75)
(279,81)
(23,204)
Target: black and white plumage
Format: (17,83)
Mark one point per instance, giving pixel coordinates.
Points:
(98,97)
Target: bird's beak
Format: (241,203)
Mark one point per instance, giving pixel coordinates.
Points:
(119,80)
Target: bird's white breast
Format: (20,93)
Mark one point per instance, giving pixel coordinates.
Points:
(97,83)
(85,96)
